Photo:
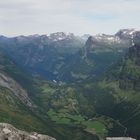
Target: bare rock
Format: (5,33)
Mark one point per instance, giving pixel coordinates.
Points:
(8,132)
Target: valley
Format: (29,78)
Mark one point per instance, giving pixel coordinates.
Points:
(72,88)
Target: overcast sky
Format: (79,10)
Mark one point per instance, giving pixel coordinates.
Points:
(78,16)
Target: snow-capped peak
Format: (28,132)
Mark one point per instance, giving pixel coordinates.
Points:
(126,33)
(106,38)
(60,36)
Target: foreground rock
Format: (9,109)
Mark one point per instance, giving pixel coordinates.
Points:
(119,138)
(8,132)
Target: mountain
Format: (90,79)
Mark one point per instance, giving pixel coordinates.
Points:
(20,104)
(95,58)
(43,55)
(127,71)
(126,33)
(60,86)
(53,56)
(16,105)
(116,94)
(122,83)
(129,79)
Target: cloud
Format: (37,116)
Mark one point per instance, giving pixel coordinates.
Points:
(78,16)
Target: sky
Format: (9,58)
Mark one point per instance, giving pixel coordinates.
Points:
(26,17)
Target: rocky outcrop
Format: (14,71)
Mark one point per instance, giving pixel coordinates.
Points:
(119,138)
(8,132)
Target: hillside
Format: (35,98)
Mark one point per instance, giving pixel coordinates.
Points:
(97,56)
(38,102)
(129,81)
(122,83)
(91,96)
(19,106)
(116,95)
(42,54)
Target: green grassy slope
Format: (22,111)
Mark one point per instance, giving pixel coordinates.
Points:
(13,111)
(123,86)
(74,105)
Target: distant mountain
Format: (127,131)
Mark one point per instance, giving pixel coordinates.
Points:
(123,38)
(85,36)
(128,69)
(126,33)
(97,56)
(43,55)
(53,56)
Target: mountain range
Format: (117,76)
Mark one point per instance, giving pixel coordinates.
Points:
(72,87)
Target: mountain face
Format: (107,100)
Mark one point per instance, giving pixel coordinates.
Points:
(9,83)
(96,57)
(126,33)
(123,38)
(43,55)
(8,71)
(116,94)
(15,104)
(123,84)
(128,68)
(21,105)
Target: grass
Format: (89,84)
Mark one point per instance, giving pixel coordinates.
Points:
(47,89)
(97,126)
(92,126)
(13,111)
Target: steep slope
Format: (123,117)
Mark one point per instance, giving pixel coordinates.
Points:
(18,105)
(43,55)
(129,80)
(15,104)
(122,85)
(9,75)
(97,56)
(18,91)
(92,61)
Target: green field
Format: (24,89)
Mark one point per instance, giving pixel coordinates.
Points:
(92,126)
